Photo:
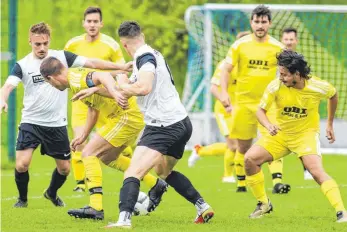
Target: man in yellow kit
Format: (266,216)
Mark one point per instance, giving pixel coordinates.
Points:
(255,56)
(223,119)
(121,126)
(91,44)
(296,96)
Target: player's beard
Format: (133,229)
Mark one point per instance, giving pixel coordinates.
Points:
(260,34)
(41,54)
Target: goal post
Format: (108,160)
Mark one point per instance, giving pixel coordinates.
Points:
(212,28)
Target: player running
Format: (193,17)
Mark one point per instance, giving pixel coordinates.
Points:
(296,96)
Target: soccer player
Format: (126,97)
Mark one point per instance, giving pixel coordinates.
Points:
(223,119)
(255,56)
(122,123)
(44,116)
(91,44)
(290,40)
(296,96)
(167,129)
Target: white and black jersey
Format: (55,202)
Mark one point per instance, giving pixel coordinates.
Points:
(162,106)
(44,105)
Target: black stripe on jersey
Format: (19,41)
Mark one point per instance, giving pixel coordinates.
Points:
(17,71)
(89,80)
(145,58)
(70,58)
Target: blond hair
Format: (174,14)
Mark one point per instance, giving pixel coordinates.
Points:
(40,28)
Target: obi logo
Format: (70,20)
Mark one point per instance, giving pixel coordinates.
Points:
(294,112)
(258,62)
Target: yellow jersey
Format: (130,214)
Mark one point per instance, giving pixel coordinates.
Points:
(297,110)
(104,47)
(231,87)
(257,66)
(108,106)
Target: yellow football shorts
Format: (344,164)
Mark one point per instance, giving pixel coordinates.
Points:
(280,145)
(123,129)
(244,121)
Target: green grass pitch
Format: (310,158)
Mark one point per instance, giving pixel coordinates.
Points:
(303,209)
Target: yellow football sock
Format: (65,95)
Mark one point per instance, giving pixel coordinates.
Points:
(77,166)
(150,180)
(94,181)
(229,162)
(127,152)
(256,184)
(212,150)
(331,190)
(276,169)
(240,169)
(122,164)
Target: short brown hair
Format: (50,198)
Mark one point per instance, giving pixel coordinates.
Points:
(50,66)
(129,29)
(41,28)
(91,10)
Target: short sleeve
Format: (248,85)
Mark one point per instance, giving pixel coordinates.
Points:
(145,58)
(17,71)
(331,91)
(70,58)
(233,55)
(269,95)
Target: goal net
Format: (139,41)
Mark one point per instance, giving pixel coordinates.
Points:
(213,28)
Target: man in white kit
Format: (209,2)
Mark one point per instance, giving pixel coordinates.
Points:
(44,116)
(168,127)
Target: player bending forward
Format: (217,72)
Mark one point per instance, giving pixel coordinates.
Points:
(296,96)
(121,126)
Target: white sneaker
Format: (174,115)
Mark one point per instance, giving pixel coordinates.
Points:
(307,175)
(229,179)
(124,221)
(194,157)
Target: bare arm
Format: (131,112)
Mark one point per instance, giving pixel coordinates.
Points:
(264,121)
(141,87)
(109,83)
(332,106)
(5,93)
(92,118)
(215,91)
(224,82)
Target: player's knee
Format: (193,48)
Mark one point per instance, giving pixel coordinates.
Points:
(64,169)
(249,161)
(22,165)
(162,173)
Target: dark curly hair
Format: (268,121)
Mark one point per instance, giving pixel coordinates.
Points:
(261,10)
(294,62)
